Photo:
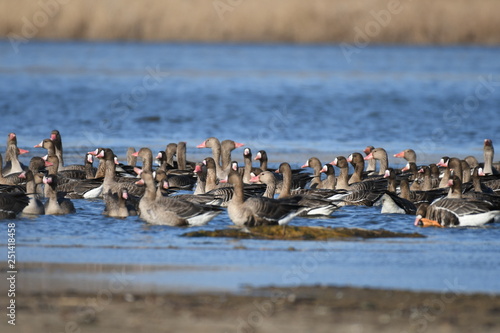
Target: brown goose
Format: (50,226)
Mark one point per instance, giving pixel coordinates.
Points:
(358,163)
(11,156)
(380,155)
(363,193)
(414,176)
(248,169)
(456,211)
(55,205)
(111,181)
(372,164)
(221,153)
(11,204)
(489,153)
(262,158)
(117,205)
(408,154)
(168,211)
(313,205)
(315,164)
(452,163)
(256,211)
(391,202)
(330,182)
(35,206)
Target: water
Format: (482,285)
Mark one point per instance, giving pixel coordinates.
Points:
(293,101)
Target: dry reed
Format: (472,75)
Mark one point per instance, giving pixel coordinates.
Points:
(416,22)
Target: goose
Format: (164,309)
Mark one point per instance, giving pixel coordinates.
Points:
(488,154)
(454,210)
(452,163)
(111,181)
(35,206)
(315,164)
(13,165)
(55,205)
(414,176)
(11,204)
(116,204)
(362,193)
(330,181)
(221,153)
(408,154)
(380,155)
(168,211)
(255,211)
(372,164)
(262,158)
(391,202)
(248,169)
(313,205)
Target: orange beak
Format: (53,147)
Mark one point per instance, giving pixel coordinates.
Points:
(429,223)
(401,154)
(369,157)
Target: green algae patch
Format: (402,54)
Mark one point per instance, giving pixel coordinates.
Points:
(300,233)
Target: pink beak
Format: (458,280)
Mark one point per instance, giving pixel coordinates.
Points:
(238,145)
(255,179)
(40,145)
(401,154)
(369,157)
(135,154)
(202,145)
(23,151)
(197,169)
(47,163)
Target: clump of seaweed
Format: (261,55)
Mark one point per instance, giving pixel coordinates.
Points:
(300,233)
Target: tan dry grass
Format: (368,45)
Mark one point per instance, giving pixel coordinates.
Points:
(422,21)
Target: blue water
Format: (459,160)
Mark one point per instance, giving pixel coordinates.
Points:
(295,101)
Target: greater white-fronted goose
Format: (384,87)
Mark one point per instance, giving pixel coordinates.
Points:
(372,164)
(13,165)
(331,181)
(262,158)
(379,154)
(11,179)
(111,181)
(57,149)
(248,169)
(454,210)
(256,211)
(11,204)
(313,205)
(358,163)
(391,202)
(221,153)
(363,193)
(452,163)
(168,211)
(35,206)
(408,154)
(117,205)
(55,204)
(488,154)
(411,170)
(315,164)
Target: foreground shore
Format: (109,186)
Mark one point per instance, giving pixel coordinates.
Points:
(53,306)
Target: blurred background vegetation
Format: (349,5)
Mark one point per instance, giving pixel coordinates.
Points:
(308,21)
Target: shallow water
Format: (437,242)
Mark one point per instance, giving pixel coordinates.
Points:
(293,101)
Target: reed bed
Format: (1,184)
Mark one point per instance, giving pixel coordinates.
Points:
(311,21)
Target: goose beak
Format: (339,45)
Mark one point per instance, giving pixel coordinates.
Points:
(23,151)
(423,222)
(238,145)
(255,179)
(401,154)
(135,154)
(197,169)
(140,182)
(40,145)
(202,145)
(369,157)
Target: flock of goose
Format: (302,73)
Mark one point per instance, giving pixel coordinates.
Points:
(452,192)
